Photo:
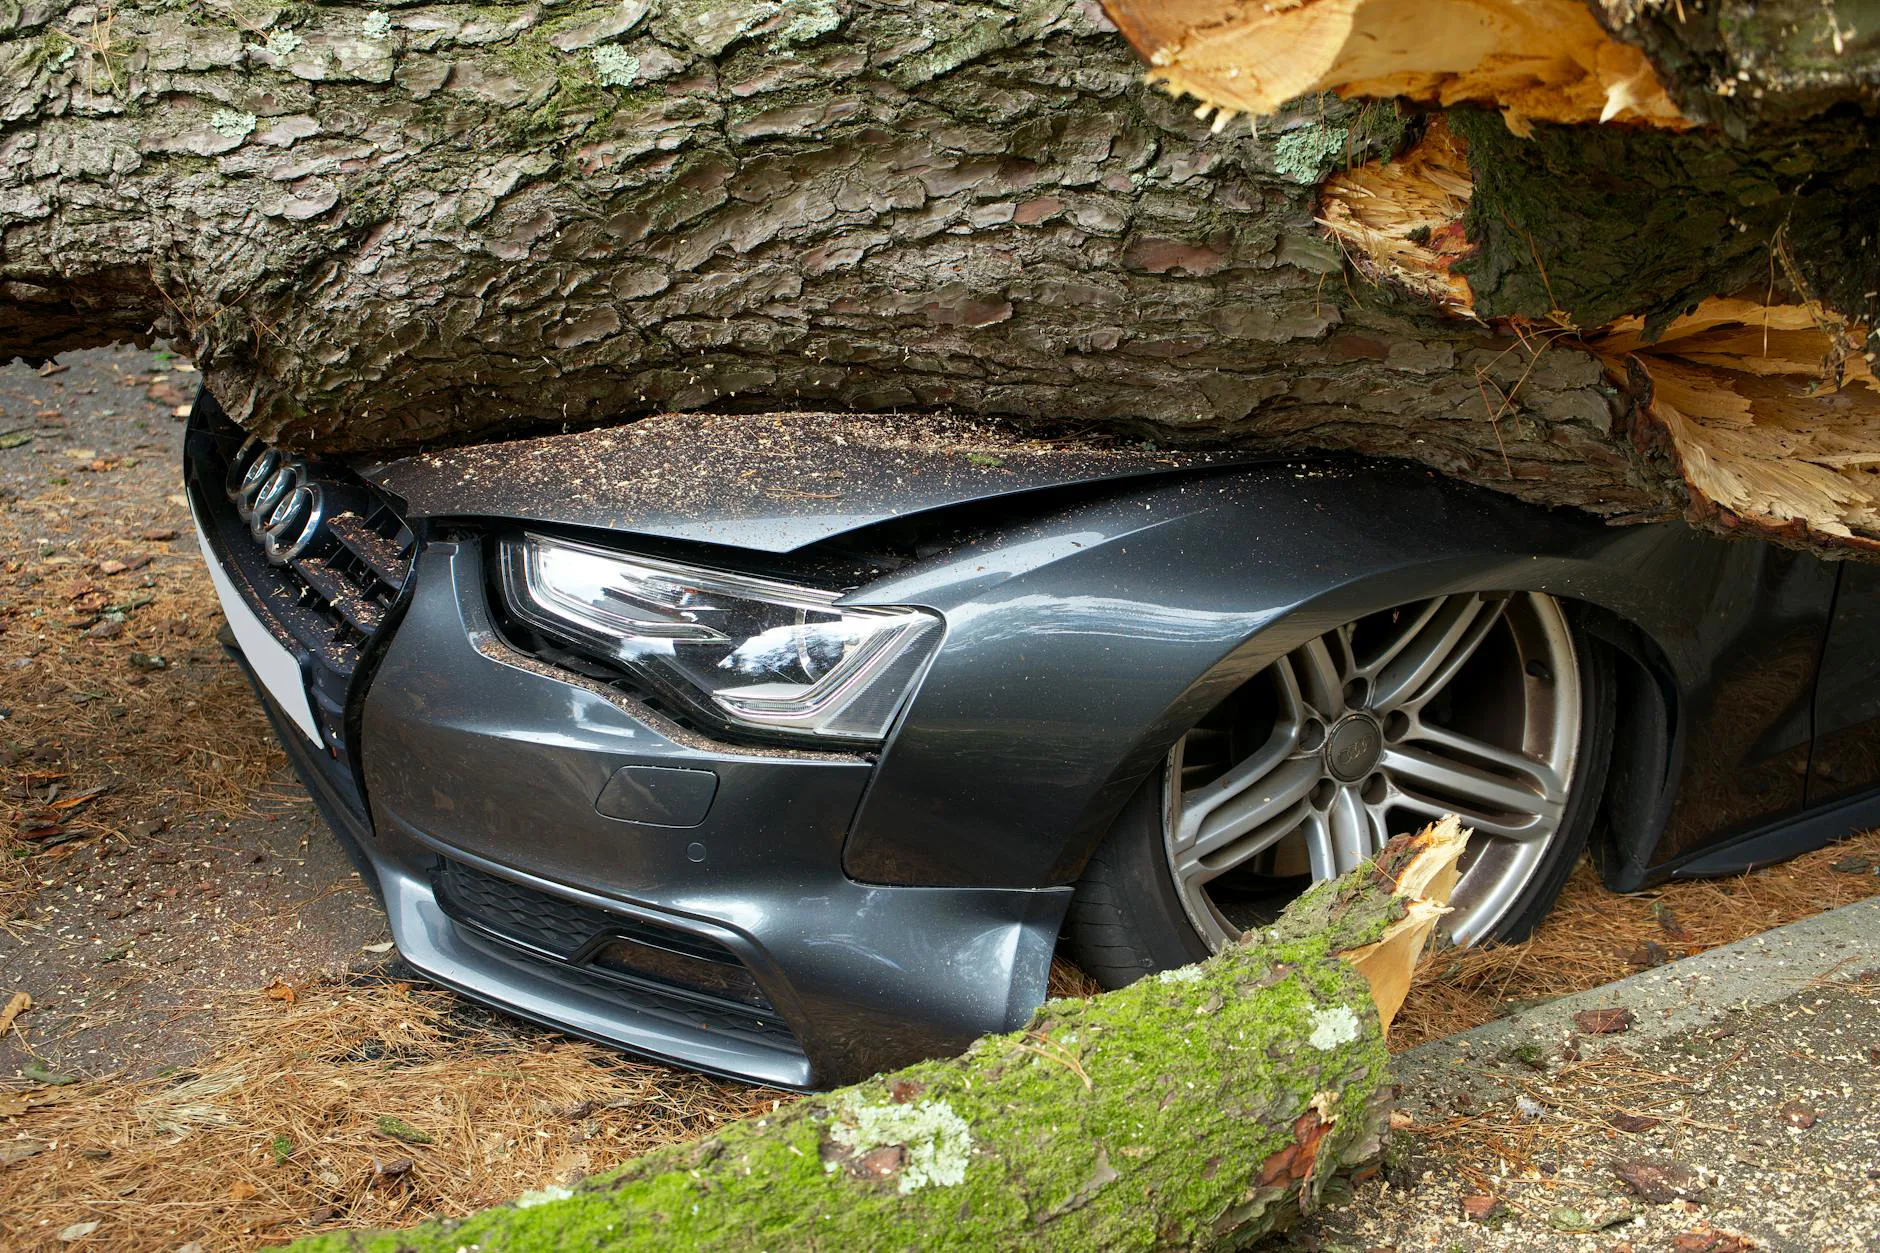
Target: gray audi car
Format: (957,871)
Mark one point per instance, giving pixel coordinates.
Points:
(794,748)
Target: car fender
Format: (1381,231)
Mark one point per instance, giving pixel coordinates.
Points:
(1082,641)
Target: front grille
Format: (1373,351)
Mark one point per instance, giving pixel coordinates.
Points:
(603,944)
(330,593)
(326,596)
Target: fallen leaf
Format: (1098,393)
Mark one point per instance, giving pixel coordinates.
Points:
(16,1005)
(19,1150)
(157,534)
(241,1190)
(38,1072)
(1659,1182)
(51,368)
(78,1231)
(80,798)
(1631,1124)
(13,439)
(1648,954)
(399,1129)
(280,990)
(81,454)
(391,1171)
(181,411)
(384,947)
(164,394)
(1480,1206)
(1853,865)
(1798,1115)
(1709,1240)
(1603,1021)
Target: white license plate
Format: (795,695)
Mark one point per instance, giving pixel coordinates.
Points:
(273,665)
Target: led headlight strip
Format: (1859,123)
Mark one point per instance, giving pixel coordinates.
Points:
(742,650)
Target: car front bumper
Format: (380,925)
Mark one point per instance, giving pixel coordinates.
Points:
(479,756)
(465,776)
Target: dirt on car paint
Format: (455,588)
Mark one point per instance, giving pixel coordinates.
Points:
(772,481)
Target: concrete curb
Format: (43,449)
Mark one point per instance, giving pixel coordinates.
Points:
(1681,996)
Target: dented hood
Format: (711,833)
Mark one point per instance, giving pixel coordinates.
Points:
(771,483)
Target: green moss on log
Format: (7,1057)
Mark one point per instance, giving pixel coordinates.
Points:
(1189,1111)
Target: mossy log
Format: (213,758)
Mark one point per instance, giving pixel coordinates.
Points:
(1197,1109)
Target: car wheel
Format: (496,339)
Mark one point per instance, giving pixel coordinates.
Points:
(1488,706)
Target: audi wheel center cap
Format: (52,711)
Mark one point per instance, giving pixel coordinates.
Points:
(1353,748)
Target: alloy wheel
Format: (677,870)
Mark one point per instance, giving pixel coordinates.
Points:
(1466,704)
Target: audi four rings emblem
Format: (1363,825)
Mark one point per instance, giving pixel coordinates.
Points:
(276,496)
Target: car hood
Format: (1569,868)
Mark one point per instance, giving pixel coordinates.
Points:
(772,483)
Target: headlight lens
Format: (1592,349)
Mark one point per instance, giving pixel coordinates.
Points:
(743,650)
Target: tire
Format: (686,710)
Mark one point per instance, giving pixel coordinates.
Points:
(1528,674)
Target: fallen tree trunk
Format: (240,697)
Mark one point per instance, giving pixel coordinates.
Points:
(1726,276)
(383,227)
(1194,1110)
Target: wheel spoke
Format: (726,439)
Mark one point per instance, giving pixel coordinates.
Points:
(1321,678)
(1350,828)
(1242,823)
(1319,851)
(1434,650)
(1424,612)
(1500,792)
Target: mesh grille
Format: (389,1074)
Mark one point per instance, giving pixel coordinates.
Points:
(571,932)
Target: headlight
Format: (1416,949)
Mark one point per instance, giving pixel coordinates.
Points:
(743,650)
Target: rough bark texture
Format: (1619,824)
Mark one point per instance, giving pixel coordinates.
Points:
(379,228)
(1746,63)
(1193,1110)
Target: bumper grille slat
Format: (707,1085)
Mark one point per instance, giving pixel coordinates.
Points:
(598,942)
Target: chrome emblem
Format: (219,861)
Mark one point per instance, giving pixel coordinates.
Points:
(276,496)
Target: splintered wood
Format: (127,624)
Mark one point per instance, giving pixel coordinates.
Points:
(1425,882)
(1768,410)
(1535,60)
(1771,412)
(1401,221)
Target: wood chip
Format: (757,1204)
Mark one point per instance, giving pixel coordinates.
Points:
(16,1005)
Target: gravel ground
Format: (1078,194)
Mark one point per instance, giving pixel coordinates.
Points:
(200,872)
(1736,1107)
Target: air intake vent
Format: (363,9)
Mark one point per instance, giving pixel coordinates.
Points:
(599,941)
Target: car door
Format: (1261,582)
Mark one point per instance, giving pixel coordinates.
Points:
(1846,758)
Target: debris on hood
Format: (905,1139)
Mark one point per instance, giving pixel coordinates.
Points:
(772,482)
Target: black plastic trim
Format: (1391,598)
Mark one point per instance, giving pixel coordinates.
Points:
(1776,842)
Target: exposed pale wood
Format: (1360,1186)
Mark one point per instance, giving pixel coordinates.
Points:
(1535,60)
(1426,881)
(1771,411)
(1400,221)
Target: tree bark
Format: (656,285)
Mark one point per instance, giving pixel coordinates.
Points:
(380,228)
(1716,247)
(1194,1110)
